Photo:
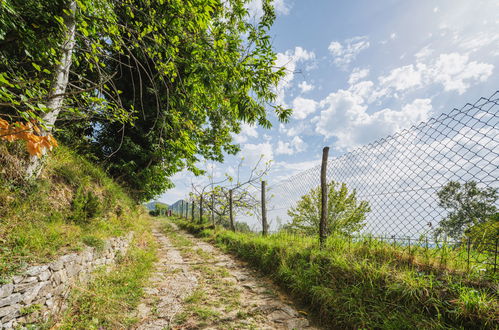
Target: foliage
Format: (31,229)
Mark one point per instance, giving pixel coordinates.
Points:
(159,209)
(345,213)
(36,145)
(153,85)
(471,210)
(85,206)
(364,284)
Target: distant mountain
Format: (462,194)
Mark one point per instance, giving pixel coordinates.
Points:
(152,205)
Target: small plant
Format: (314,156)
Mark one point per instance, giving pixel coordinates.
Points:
(85,207)
(30,309)
(94,242)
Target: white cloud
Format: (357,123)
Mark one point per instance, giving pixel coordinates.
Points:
(402,78)
(303,107)
(393,36)
(357,74)
(289,60)
(452,70)
(305,87)
(456,72)
(253,152)
(345,53)
(284,148)
(255,8)
(345,117)
(296,145)
(247,131)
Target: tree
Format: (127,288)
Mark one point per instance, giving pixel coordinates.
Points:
(345,213)
(471,211)
(219,73)
(152,85)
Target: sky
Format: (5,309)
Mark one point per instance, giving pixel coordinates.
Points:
(358,71)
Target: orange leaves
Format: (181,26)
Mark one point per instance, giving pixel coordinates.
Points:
(36,144)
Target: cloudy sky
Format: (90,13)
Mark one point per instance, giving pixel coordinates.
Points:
(360,70)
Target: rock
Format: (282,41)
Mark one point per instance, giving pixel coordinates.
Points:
(68,258)
(22,287)
(59,277)
(50,303)
(73,269)
(6,290)
(17,279)
(36,270)
(9,310)
(31,293)
(57,265)
(44,275)
(30,279)
(10,300)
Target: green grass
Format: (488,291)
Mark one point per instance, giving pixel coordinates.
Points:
(110,299)
(357,285)
(73,204)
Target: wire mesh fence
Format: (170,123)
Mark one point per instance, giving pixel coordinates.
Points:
(400,177)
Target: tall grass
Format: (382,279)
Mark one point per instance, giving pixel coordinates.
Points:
(110,300)
(352,284)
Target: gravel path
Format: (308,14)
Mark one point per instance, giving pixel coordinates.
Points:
(197,286)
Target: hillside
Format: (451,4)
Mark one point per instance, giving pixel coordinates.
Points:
(73,204)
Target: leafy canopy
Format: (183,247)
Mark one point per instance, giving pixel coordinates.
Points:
(345,213)
(154,85)
(472,210)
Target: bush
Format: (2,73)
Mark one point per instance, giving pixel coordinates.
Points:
(85,207)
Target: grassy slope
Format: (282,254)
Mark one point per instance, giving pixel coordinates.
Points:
(355,285)
(73,204)
(110,299)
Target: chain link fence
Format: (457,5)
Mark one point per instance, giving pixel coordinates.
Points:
(400,176)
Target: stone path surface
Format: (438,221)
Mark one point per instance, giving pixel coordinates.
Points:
(197,286)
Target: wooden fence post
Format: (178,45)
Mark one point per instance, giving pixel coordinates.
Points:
(182,208)
(213,208)
(231,215)
(264,212)
(323,220)
(192,210)
(201,209)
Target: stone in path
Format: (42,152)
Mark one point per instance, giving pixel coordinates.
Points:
(196,286)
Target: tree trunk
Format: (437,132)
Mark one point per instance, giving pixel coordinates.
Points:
(59,84)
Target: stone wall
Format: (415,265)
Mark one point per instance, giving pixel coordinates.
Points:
(41,291)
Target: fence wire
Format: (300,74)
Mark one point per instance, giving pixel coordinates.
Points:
(400,176)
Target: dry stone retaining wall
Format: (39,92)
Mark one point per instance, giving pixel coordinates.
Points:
(41,291)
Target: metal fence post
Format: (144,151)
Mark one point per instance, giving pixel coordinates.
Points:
(231,215)
(264,212)
(323,219)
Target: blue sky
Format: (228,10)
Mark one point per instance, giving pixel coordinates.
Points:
(358,71)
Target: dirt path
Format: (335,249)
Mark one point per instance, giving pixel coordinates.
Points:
(196,286)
